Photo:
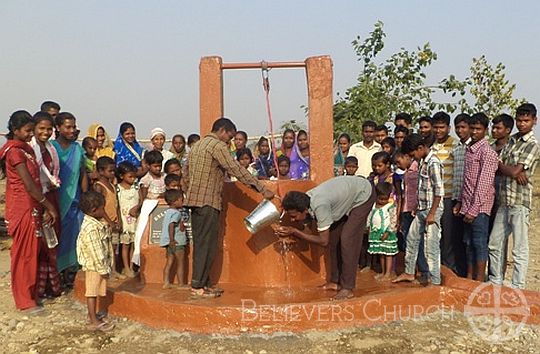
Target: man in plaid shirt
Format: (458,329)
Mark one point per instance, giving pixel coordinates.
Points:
(477,195)
(209,160)
(427,221)
(517,163)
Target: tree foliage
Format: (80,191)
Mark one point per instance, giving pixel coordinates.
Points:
(399,84)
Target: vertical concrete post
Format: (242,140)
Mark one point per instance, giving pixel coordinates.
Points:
(321,123)
(210,92)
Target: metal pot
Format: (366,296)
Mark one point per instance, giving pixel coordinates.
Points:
(265,214)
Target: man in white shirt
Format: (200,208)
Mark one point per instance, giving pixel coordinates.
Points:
(365,149)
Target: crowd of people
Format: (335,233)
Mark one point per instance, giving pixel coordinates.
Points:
(427,194)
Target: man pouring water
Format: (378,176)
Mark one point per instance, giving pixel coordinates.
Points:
(340,207)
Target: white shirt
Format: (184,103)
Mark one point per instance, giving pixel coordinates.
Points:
(364,154)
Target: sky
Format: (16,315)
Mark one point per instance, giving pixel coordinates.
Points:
(137,61)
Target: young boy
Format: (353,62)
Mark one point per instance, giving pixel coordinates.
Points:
(424,127)
(461,124)
(428,213)
(501,129)
(89,145)
(517,163)
(351,165)
(404,120)
(365,149)
(153,183)
(477,195)
(381,133)
(94,256)
(443,148)
(400,133)
(173,182)
(173,237)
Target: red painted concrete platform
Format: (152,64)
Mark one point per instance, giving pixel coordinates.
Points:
(244,309)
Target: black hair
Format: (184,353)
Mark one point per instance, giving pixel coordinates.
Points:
(153,157)
(243,133)
(398,153)
(17,120)
(284,158)
(479,118)
(346,136)
(193,138)
(41,116)
(369,124)
(172,195)
(125,167)
(403,116)
(505,119)
(170,178)
(301,132)
(45,106)
(440,117)
(424,119)
(87,140)
(90,201)
(462,117)
(179,136)
(526,109)
(382,127)
(244,151)
(382,156)
(351,160)
(103,162)
(125,126)
(412,142)
(261,140)
(383,189)
(62,117)
(401,129)
(224,123)
(389,141)
(295,200)
(170,163)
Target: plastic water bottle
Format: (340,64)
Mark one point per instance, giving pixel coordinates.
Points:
(50,236)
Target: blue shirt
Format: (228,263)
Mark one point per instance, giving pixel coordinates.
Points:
(173,216)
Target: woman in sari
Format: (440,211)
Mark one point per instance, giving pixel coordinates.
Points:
(25,214)
(74,181)
(48,285)
(127,148)
(287,143)
(264,163)
(342,150)
(300,157)
(104,144)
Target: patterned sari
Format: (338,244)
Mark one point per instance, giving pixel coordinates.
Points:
(299,164)
(128,152)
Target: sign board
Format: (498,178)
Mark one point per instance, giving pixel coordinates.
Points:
(156,223)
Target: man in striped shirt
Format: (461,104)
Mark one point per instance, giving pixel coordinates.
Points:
(477,195)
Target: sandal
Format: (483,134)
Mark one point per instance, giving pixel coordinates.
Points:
(102,327)
(214,289)
(203,294)
(343,294)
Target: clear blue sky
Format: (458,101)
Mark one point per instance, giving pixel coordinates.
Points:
(111,61)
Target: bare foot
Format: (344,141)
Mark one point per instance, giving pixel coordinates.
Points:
(378,276)
(365,269)
(330,286)
(387,277)
(167,286)
(343,294)
(404,277)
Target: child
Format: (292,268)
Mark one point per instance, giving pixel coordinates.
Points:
(428,213)
(192,139)
(388,145)
(94,256)
(477,195)
(403,119)
(381,225)
(157,138)
(173,237)
(245,159)
(89,145)
(104,185)
(284,165)
(407,207)
(400,133)
(382,172)
(518,161)
(173,167)
(264,163)
(173,181)
(381,133)
(129,202)
(153,183)
(351,165)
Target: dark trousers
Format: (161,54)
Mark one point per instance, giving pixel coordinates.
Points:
(452,247)
(205,227)
(346,236)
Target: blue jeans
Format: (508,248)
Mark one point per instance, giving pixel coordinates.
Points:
(515,220)
(406,221)
(432,237)
(475,238)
